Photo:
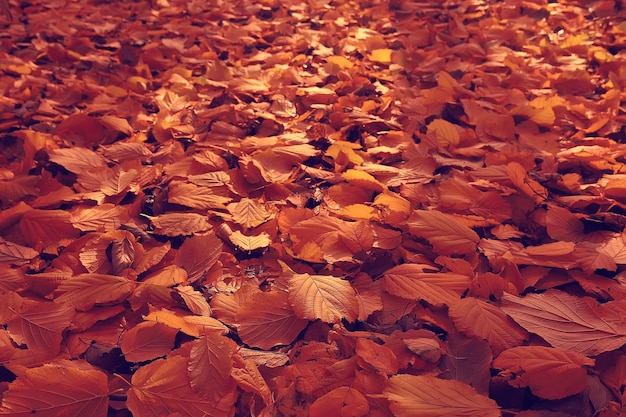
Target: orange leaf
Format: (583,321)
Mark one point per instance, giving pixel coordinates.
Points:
(104,217)
(377,356)
(328,298)
(427,396)
(44,227)
(412,282)
(198,254)
(147,340)
(162,388)
(518,175)
(266,319)
(248,213)
(249,243)
(467,360)
(340,402)
(15,254)
(84,291)
(363,180)
(550,373)
(194,300)
(486,321)
(40,326)
(249,379)
(443,231)
(77,159)
(210,365)
(567,322)
(190,195)
(445,132)
(67,388)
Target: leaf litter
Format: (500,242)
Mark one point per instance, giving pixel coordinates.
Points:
(317,208)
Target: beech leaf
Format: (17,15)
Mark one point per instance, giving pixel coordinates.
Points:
(486,321)
(162,387)
(51,390)
(267,319)
(447,235)
(567,322)
(549,372)
(427,396)
(327,298)
(198,254)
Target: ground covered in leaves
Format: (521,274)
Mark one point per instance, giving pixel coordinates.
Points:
(322,208)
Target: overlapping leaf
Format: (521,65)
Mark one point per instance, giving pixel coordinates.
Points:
(66,388)
(327,298)
(428,396)
(549,372)
(568,322)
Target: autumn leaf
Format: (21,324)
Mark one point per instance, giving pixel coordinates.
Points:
(246,373)
(197,255)
(210,365)
(420,282)
(84,291)
(567,322)
(428,396)
(486,321)
(342,401)
(549,372)
(44,227)
(378,356)
(327,298)
(163,387)
(443,231)
(65,388)
(40,327)
(180,224)
(147,340)
(267,319)
(468,360)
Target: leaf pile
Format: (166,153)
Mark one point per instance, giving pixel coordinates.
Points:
(279,208)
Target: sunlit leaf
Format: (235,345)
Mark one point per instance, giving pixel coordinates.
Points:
(328,298)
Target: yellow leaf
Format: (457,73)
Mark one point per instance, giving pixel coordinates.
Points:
(382,56)
(363,179)
(358,212)
(340,61)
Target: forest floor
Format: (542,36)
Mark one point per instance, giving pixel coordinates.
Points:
(312,208)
